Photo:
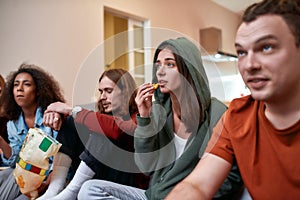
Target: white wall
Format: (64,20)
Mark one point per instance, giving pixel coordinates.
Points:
(60,34)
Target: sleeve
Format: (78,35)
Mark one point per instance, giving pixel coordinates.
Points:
(150,153)
(110,126)
(144,139)
(220,143)
(14,143)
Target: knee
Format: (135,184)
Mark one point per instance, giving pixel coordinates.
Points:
(84,190)
(87,190)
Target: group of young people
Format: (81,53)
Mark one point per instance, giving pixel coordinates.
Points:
(175,141)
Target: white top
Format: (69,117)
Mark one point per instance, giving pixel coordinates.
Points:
(179,145)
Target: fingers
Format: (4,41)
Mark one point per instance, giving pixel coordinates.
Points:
(53,120)
(57,121)
(144,99)
(145,92)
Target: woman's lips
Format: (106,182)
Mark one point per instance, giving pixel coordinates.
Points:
(162,83)
(20,96)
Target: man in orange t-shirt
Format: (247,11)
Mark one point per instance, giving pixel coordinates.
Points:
(262,131)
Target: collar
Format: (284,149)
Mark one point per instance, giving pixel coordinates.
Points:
(21,125)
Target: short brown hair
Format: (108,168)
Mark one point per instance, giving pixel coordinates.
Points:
(289,10)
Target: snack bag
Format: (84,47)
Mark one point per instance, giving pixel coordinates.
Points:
(33,163)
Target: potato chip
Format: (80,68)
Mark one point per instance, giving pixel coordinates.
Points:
(155,85)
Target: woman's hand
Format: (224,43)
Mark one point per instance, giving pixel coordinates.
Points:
(53,120)
(143,99)
(52,117)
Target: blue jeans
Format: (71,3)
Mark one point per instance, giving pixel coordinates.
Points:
(100,189)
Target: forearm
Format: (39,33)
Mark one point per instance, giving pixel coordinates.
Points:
(105,124)
(146,136)
(146,146)
(187,191)
(6,149)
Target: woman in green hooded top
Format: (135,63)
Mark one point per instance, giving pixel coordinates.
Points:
(175,122)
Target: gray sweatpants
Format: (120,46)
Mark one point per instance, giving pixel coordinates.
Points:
(9,189)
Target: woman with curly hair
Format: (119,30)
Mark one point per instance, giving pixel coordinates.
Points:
(29,91)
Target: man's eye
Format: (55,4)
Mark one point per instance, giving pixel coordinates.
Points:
(240,53)
(267,47)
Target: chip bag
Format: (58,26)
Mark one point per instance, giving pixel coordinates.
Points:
(33,163)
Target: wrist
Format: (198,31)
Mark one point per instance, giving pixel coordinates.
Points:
(75,111)
(144,116)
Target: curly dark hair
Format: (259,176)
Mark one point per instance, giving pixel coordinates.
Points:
(47,90)
(126,83)
(289,10)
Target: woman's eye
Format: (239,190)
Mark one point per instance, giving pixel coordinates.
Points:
(167,64)
(157,65)
(170,65)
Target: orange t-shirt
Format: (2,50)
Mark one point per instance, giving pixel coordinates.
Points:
(268,158)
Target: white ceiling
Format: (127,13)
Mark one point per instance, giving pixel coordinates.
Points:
(237,6)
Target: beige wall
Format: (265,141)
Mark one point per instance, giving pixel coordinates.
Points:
(59,34)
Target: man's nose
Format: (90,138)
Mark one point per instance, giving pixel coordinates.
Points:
(252,62)
(103,95)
